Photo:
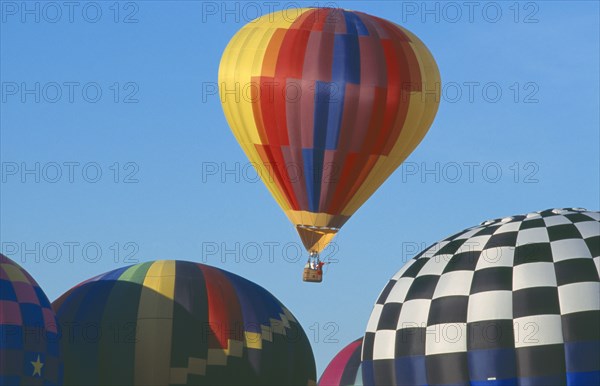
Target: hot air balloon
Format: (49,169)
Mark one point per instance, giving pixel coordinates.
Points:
(513,301)
(326,104)
(345,368)
(29,349)
(179,323)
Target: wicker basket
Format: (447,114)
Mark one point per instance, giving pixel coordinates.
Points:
(312,275)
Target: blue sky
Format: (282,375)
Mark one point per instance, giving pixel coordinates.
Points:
(517,131)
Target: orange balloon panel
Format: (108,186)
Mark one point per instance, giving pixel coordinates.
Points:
(326,103)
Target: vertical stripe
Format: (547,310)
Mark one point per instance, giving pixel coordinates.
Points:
(397,98)
(364,163)
(352,366)
(375,23)
(307,106)
(273,158)
(322,16)
(337,92)
(262,111)
(160,278)
(346,59)
(136,273)
(338,21)
(271,53)
(354,24)
(294,165)
(313,167)
(375,122)
(306,20)
(84,305)
(190,315)
(223,309)
(318,60)
(358,134)
(369,25)
(348,142)
(155,325)
(293,102)
(343,367)
(373,70)
(117,346)
(290,63)
(322,102)
(332,167)
(350,120)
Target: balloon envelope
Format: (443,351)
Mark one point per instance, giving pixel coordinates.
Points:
(326,103)
(513,301)
(177,322)
(345,368)
(29,349)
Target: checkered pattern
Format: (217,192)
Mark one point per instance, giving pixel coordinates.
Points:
(513,301)
(29,352)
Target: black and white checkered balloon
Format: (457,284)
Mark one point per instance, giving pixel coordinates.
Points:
(510,301)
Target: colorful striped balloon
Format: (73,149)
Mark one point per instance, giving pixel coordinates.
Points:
(345,368)
(326,104)
(180,323)
(29,348)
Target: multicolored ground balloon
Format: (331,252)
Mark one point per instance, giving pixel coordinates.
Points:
(345,368)
(29,348)
(326,103)
(513,301)
(180,323)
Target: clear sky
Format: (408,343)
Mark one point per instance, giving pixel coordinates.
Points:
(115,149)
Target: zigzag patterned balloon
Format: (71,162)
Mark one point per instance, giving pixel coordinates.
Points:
(179,323)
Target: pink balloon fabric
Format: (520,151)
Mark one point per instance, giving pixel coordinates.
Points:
(345,368)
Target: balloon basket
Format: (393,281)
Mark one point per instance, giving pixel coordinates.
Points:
(312,275)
